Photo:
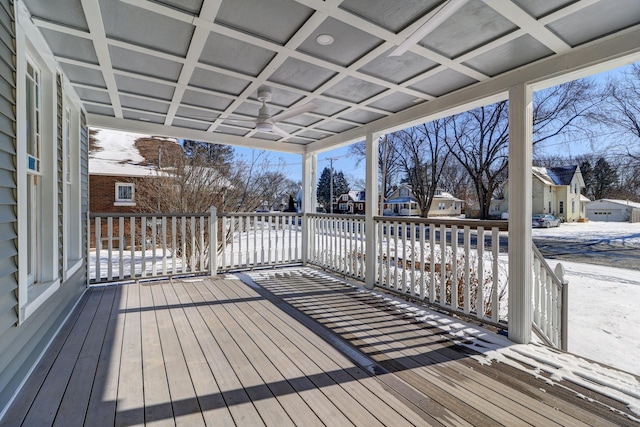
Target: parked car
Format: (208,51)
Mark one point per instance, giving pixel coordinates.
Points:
(546,220)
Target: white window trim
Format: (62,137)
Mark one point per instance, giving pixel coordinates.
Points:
(32,296)
(125,202)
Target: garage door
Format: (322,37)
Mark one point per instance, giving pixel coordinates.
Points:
(610,215)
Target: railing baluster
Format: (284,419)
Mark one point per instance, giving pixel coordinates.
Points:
(388,263)
(395,251)
(467,270)
(132,230)
(183,227)
(480,291)
(143,242)
(423,284)
(201,248)
(442,294)
(154,245)
(454,267)
(432,263)
(193,244)
(121,248)
(98,232)
(404,231)
(110,248)
(412,282)
(174,248)
(164,245)
(495,246)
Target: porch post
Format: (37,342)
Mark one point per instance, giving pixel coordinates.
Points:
(309,166)
(213,241)
(520,192)
(371,209)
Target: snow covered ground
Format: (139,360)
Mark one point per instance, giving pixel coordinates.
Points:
(604,302)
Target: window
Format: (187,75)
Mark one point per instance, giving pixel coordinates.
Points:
(32,107)
(575,188)
(573,206)
(404,192)
(441,206)
(561,208)
(125,194)
(33,103)
(549,207)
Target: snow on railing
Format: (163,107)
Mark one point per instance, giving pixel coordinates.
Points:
(337,243)
(550,301)
(259,239)
(451,263)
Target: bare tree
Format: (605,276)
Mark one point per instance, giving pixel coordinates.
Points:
(482,135)
(623,96)
(389,167)
(481,146)
(422,154)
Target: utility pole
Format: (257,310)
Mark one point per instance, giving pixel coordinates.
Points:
(331,159)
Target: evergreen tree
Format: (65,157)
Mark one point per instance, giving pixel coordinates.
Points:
(340,185)
(604,179)
(587,176)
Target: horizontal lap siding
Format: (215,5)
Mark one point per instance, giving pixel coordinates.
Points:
(21,346)
(8,177)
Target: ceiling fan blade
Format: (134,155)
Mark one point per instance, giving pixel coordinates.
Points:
(280,132)
(304,108)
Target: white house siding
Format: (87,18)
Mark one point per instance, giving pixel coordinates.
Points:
(22,341)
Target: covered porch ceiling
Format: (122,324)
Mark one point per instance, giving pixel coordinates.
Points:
(186,68)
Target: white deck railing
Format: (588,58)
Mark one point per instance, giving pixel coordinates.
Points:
(138,246)
(132,246)
(451,263)
(550,301)
(337,243)
(258,240)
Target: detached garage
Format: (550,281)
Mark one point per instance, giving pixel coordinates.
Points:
(612,210)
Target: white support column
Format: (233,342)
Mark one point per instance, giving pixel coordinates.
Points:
(309,166)
(371,209)
(520,193)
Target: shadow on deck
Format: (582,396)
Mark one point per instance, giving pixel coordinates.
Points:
(281,347)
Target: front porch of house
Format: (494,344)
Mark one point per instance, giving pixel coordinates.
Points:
(289,346)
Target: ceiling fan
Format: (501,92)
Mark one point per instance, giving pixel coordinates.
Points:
(265,122)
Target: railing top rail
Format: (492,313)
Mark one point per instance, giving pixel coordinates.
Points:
(473,223)
(543,262)
(335,215)
(145,214)
(227,214)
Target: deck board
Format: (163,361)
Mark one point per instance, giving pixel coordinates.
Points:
(299,349)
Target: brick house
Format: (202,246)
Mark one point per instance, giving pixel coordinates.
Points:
(118,163)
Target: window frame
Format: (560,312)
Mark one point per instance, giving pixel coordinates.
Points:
(125,202)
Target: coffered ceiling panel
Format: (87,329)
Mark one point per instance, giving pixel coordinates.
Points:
(328,70)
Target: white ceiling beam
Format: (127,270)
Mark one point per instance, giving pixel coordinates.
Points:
(613,51)
(198,135)
(526,22)
(93,16)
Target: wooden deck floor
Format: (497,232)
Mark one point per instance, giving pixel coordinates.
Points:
(297,350)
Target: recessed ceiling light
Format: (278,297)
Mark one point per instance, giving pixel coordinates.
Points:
(416,100)
(324,39)
(144,119)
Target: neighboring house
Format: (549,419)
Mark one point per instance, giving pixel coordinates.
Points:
(118,162)
(556,191)
(403,203)
(352,202)
(613,210)
(117,166)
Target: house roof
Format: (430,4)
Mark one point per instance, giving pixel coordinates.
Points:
(555,176)
(562,175)
(187,68)
(115,153)
(625,203)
